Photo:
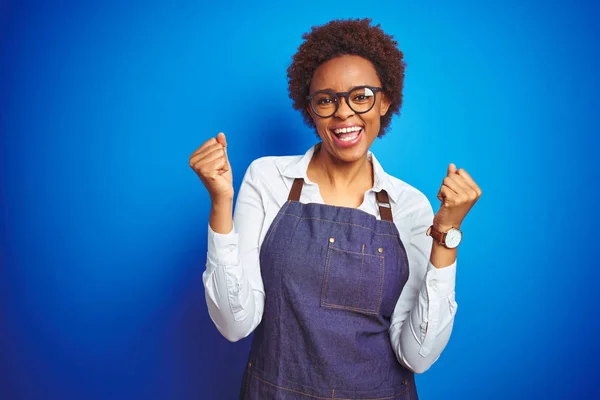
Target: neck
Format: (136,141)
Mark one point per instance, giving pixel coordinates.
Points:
(324,169)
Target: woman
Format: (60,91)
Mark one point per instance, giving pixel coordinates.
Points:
(328,259)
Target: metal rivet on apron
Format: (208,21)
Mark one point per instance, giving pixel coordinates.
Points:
(331,240)
(380,250)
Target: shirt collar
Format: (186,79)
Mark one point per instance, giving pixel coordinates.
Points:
(381,180)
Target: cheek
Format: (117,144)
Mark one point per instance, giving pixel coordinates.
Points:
(374,119)
(373,123)
(321,125)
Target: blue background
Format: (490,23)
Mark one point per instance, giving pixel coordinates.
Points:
(103,224)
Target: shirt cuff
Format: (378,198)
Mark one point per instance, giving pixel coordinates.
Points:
(441,281)
(223,247)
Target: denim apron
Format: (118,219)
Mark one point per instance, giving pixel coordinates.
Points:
(332,277)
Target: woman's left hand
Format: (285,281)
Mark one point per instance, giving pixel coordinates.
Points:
(458,194)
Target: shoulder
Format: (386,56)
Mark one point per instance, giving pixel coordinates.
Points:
(404,196)
(266,168)
(278,163)
(270,178)
(407,199)
(406,191)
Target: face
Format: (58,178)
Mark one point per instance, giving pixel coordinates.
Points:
(341,74)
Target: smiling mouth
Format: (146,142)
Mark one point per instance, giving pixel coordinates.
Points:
(347,134)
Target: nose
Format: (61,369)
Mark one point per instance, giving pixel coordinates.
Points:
(344,111)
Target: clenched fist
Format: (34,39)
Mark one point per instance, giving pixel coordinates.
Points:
(212,166)
(458,194)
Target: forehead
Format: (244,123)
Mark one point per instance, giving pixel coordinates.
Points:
(344,72)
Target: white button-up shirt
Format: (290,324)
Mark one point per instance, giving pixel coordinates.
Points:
(424,314)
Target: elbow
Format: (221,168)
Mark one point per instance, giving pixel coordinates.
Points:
(237,325)
(233,333)
(416,368)
(419,366)
(233,336)
(419,369)
(415,363)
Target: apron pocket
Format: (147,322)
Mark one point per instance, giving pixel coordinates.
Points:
(352,280)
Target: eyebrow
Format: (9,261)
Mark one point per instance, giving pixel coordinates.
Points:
(349,89)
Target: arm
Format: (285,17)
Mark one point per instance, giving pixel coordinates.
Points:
(424,315)
(423,318)
(233,285)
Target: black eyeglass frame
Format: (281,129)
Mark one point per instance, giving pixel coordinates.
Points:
(345,95)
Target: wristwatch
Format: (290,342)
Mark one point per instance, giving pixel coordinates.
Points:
(450,239)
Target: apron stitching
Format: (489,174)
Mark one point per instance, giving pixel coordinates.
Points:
(362,266)
(324,290)
(329,255)
(326,398)
(248,380)
(282,212)
(356,252)
(365,310)
(353,308)
(290,390)
(382,271)
(343,223)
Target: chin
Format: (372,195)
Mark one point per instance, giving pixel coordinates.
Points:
(346,154)
(351,155)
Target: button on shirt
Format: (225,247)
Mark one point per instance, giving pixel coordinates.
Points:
(424,314)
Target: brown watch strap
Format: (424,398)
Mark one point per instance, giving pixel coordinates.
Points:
(439,237)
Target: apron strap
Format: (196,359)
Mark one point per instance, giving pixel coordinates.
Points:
(385,208)
(296,189)
(383,200)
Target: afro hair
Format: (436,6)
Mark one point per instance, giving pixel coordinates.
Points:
(347,37)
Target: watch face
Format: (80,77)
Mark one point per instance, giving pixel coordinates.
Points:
(453,238)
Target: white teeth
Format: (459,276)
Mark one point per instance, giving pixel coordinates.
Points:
(347,130)
(349,137)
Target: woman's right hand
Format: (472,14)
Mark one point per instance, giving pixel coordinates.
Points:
(212,166)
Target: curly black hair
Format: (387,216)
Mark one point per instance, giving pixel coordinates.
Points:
(348,37)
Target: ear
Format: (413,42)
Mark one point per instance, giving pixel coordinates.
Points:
(385,105)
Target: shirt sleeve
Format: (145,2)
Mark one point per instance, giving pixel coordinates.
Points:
(233,286)
(422,321)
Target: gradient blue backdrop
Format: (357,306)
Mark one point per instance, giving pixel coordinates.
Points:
(103,224)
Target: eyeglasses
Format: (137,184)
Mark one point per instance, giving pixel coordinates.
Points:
(360,99)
